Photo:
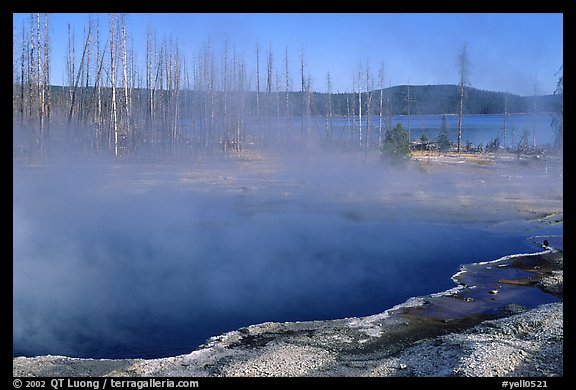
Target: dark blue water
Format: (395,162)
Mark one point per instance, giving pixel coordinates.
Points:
(483,129)
(134,279)
(477,130)
(534,129)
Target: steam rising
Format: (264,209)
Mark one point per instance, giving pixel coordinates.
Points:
(118,259)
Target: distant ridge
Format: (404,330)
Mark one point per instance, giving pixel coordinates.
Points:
(444,99)
(424,100)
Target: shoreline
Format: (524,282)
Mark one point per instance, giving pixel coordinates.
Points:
(420,337)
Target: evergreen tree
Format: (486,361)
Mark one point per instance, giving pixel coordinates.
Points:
(443,140)
(424,139)
(396,146)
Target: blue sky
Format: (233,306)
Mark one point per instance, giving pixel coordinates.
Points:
(507,52)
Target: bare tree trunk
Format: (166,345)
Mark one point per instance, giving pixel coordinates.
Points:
(31,86)
(505,117)
(388,108)
(75,86)
(464,65)
(212,89)
(71,60)
(176,80)
(84,102)
(226,108)
(113,81)
(329,109)
(204,78)
(149,88)
(269,89)
(360,105)
(534,113)
(22,78)
(99,117)
(164,94)
(196,103)
(46,97)
(235,107)
(380,111)
(135,100)
(126,130)
(29,92)
(39,88)
(309,107)
(287,81)
(352,105)
(460,113)
(408,101)
(303,101)
(277,108)
(241,105)
(369,91)
(257,79)
(187,106)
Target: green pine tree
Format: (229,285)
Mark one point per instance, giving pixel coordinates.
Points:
(443,140)
(396,146)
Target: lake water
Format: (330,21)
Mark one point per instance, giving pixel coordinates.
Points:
(476,129)
(103,272)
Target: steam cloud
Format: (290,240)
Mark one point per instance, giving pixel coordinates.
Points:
(118,260)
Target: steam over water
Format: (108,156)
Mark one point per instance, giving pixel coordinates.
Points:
(124,260)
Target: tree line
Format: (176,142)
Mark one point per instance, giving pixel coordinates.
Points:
(209,105)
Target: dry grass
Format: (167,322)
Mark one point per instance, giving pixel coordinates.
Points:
(451,157)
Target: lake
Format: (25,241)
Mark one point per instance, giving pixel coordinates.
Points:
(476,129)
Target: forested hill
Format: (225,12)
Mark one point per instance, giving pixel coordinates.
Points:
(398,100)
(444,99)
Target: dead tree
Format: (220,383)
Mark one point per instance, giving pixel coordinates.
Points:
(381,105)
(464,69)
(114,113)
(329,109)
(257,79)
(287,102)
(369,91)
